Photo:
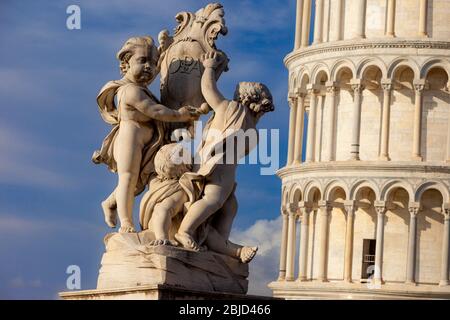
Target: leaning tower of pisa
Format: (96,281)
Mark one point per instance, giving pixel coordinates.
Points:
(367,179)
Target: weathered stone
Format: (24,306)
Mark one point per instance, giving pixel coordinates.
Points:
(129,262)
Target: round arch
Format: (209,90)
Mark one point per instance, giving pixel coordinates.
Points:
(365,64)
(434,63)
(339,66)
(435,185)
(389,187)
(310,189)
(402,62)
(295,195)
(332,186)
(320,69)
(364,184)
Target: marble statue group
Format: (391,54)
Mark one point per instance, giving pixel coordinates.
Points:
(187,204)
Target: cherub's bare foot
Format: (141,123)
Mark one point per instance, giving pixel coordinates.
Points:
(110,213)
(162,242)
(127,229)
(188,242)
(247,254)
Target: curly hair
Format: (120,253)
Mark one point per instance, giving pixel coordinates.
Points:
(130,45)
(254,95)
(171,161)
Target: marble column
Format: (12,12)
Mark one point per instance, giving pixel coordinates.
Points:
(311,135)
(412,240)
(448,136)
(385,125)
(292,119)
(298,149)
(417,135)
(380,207)
(390,19)
(338,23)
(445,247)
(298,25)
(358,88)
(318,22)
(324,212)
(423,12)
(292,217)
(306,21)
(360,26)
(283,249)
(304,234)
(332,90)
(350,208)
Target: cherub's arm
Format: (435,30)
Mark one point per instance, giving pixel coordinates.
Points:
(210,91)
(137,98)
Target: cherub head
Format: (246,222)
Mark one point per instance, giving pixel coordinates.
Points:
(139,59)
(256,96)
(171,161)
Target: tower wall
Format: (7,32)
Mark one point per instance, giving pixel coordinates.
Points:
(370,186)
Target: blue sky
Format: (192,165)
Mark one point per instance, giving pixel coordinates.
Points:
(50,191)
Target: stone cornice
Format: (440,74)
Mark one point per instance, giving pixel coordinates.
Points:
(350,45)
(371,166)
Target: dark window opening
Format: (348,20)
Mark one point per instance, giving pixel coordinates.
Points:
(368,258)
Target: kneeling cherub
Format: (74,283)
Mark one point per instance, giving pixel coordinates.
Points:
(163,206)
(219,153)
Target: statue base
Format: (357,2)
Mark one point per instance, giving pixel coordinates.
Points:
(130,268)
(156,292)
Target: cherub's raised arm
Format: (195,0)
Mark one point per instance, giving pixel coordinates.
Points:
(137,98)
(210,91)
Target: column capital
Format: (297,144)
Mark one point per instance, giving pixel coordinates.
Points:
(305,209)
(283,210)
(292,209)
(419,85)
(357,85)
(292,96)
(332,87)
(305,205)
(313,89)
(350,206)
(325,205)
(414,208)
(300,93)
(386,84)
(446,211)
(380,207)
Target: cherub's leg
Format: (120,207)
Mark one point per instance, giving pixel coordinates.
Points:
(109,206)
(219,244)
(125,200)
(162,217)
(128,157)
(215,195)
(224,219)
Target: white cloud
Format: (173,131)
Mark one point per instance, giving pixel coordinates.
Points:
(20,282)
(264,267)
(17,282)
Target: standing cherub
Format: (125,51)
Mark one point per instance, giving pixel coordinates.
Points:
(214,178)
(138,133)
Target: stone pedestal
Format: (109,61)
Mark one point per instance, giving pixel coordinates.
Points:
(132,269)
(156,292)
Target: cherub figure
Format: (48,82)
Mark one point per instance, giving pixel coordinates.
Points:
(165,198)
(163,206)
(214,178)
(138,133)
